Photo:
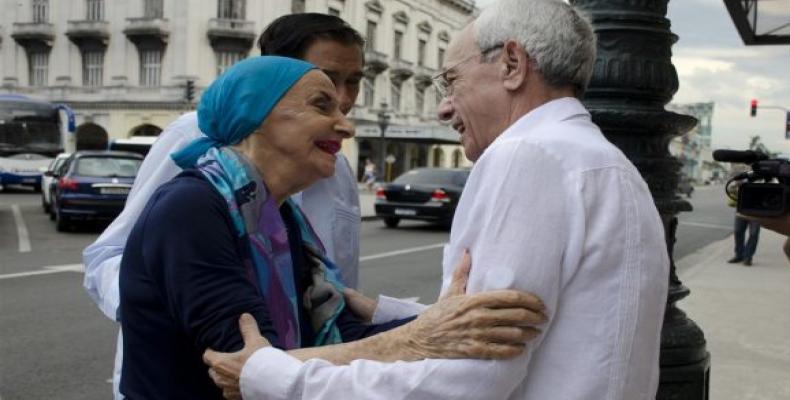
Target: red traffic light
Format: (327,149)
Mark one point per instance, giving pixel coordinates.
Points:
(754,108)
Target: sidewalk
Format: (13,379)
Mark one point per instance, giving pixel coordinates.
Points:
(745,315)
(366,200)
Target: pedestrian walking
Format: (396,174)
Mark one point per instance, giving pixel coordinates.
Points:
(744,248)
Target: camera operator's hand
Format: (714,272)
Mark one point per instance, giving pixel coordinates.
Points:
(779,224)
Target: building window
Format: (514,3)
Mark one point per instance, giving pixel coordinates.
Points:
(94,10)
(421,52)
(457,158)
(397,45)
(150,67)
(438,157)
(39,65)
(334,11)
(92,68)
(40,11)
(230,9)
(153,9)
(227,58)
(369,90)
(395,96)
(440,58)
(419,100)
(370,36)
(297,6)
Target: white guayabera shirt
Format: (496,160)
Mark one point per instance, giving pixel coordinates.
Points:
(331,205)
(552,208)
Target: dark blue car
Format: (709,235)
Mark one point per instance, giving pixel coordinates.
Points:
(93,185)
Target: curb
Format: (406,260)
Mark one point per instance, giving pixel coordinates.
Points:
(366,218)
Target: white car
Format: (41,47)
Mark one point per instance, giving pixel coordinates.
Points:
(48,179)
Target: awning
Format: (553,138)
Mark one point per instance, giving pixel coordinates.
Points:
(761,22)
(433,134)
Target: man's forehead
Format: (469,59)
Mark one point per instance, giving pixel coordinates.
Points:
(462,46)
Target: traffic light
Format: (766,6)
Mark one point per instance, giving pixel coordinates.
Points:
(754,107)
(189,92)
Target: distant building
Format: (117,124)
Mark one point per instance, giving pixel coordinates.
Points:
(694,148)
(124,65)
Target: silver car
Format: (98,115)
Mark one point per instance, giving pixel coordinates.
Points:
(48,179)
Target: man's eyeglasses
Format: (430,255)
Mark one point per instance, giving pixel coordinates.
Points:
(443,85)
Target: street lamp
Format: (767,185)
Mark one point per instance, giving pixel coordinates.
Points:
(630,86)
(384,121)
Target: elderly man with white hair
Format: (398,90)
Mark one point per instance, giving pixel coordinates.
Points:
(551,207)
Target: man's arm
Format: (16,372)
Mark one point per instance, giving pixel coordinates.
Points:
(102,258)
(519,200)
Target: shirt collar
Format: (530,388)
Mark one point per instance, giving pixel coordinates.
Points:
(553,111)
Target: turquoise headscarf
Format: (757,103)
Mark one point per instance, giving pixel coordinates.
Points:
(239,100)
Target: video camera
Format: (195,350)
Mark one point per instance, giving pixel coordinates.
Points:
(766,190)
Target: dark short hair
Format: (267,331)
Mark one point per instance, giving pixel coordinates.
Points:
(291,35)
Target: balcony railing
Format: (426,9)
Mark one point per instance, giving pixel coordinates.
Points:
(29,33)
(375,62)
(231,27)
(401,69)
(147,26)
(227,34)
(423,76)
(85,32)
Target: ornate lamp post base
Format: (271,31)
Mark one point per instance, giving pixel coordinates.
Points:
(632,82)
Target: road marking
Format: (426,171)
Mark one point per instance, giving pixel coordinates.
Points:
(411,299)
(704,225)
(399,252)
(21,229)
(54,269)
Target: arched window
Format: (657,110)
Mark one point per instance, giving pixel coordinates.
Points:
(457,157)
(146,130)
(438,157)
(91,137)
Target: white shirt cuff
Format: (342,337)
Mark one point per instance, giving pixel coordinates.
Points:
(269,373)
(390,308)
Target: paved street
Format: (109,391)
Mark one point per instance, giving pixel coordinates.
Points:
(56,344)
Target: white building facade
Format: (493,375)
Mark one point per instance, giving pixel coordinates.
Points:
(124,66)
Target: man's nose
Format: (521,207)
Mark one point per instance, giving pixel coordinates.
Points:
(445,110)
(345,99)
(344,127)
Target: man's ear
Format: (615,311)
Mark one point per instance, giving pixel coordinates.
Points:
(515,65)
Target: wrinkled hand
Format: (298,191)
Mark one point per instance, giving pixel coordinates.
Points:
(225,368)
(489,325)
(362,306)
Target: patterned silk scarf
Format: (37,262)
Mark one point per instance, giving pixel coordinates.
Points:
(256,219)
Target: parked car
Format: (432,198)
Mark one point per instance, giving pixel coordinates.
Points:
(93,185)
(135,144)
(48,180)
(428,194)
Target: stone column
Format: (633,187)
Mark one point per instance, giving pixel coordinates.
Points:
(632,82)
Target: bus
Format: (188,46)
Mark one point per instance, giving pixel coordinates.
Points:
(31,135)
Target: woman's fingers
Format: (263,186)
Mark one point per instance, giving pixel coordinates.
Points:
(519,317)
(506,298)
(460,275)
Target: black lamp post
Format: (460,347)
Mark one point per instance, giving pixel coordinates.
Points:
(632,82)
(384,121)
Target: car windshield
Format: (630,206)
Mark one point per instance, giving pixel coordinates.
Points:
(107,167)
(433,176)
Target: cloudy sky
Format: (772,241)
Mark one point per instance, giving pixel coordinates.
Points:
(713,64)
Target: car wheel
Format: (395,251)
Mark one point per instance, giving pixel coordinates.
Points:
(61,222)
(391,222)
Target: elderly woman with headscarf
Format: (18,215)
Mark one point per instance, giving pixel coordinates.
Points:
(223,239)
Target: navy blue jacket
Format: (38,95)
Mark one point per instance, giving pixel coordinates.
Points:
(183,288)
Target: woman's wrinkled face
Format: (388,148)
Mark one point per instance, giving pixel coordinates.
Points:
(305,129)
